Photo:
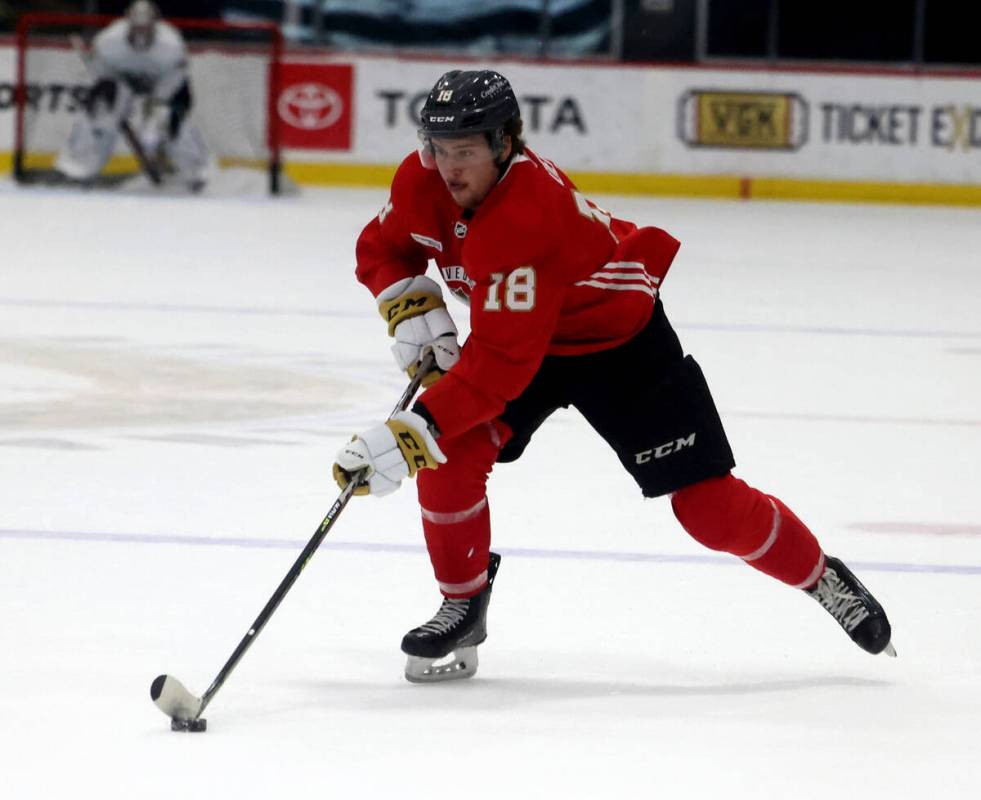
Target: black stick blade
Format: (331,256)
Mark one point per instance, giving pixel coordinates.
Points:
(189,725)
(174,700)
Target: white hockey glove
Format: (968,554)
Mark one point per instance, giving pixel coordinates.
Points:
(390,452)
(418,319)
(155,128)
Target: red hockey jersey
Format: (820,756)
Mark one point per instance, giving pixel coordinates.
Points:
(544,270)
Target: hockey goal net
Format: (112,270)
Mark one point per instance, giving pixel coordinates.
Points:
(234,76)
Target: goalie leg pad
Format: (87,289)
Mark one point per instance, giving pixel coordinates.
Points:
(87,150)
(189,156)
(180,106)
(93,136)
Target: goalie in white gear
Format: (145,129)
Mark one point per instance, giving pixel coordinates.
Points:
(139,69)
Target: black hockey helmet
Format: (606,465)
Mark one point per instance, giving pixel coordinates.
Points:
(463,103)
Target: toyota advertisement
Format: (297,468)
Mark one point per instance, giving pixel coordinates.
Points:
(314,106)
(366,110)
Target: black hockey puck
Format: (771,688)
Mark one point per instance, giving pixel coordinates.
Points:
(189,725)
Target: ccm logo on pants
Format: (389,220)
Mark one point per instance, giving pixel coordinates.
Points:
(665,449)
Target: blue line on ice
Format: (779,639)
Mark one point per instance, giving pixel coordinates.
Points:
(519,552)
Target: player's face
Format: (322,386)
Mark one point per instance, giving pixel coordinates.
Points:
(468,167)
(141,36)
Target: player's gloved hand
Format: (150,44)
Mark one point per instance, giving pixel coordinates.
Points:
(155,128)
(418,319)
(390,452)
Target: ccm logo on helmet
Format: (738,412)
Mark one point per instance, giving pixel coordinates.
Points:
(665,449)
(442,119)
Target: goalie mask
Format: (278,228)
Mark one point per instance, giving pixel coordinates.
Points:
(467,103)
(142,18)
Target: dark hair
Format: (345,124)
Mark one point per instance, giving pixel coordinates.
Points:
(513,128)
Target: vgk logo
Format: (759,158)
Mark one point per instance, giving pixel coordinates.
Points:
(754,120)
(665,449)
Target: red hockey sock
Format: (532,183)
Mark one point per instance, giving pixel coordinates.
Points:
(729,515)
(459,548)
(455,512)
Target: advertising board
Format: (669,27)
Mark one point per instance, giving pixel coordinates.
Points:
(351,119)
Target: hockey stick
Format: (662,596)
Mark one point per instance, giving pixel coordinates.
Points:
(148,168)
(170,695)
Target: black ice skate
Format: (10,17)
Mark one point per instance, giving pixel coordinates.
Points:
(446,647)
(854,607)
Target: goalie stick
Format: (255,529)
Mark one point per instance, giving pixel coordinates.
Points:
(148,167)
(170,695)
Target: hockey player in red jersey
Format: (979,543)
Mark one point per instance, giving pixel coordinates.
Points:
(565,310)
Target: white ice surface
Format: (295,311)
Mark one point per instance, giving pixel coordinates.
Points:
(176,374)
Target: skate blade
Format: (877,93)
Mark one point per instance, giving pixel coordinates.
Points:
(890,650)
(459,664)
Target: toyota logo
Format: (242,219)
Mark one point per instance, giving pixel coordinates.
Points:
(310,106)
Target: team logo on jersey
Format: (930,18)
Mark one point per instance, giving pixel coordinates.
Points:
(458,282)
(310,106)
(460,229)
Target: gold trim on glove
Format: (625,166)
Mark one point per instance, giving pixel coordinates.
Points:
(408,305)
(343,478)
(413,446)
(429,378)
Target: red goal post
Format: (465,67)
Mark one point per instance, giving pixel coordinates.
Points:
(235,76)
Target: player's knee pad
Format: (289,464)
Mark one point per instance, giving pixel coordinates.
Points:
(102,97)
(461,482)
(724,514)
(455,512)
(180,105)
